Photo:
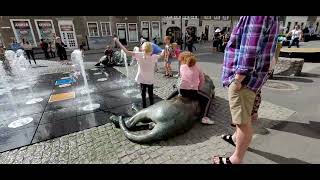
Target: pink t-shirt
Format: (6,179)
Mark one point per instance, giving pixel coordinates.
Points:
(146,65)
(176,53)
(192,78)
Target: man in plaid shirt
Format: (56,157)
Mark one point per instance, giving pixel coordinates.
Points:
(246,65)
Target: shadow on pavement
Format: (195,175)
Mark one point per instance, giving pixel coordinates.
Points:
(39,66)
(304,74)
(296,79)
(277,158)
(311,130)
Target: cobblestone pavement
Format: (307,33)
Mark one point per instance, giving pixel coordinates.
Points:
(106,144)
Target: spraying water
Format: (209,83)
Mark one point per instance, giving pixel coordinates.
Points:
(7,83)
(77,59)
(124,56)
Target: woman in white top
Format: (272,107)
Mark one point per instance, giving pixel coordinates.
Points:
(296,35)
(146,64)
(29,51)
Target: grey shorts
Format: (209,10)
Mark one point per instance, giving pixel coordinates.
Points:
(169,61)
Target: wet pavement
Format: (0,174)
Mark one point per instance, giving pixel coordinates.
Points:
(65,115)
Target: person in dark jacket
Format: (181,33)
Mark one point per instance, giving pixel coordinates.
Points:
(44,46)
(61,51)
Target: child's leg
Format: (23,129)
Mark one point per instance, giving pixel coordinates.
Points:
(166,67)
(143,95)
(150,93)
(204,103)
(169,70)
(32,55)
(28,56)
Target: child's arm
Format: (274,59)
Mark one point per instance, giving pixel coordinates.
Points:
(129,53)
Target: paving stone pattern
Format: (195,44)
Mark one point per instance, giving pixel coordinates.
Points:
(107,144)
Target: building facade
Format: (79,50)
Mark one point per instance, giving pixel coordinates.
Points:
(211,23)
(175,25)
(97,31)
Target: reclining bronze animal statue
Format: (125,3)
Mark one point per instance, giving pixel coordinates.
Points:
(165,119)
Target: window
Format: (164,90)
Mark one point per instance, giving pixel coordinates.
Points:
(207,17)
(105,29)
(172,22)
(216,17)
(288,27)
(93,29)
(23,30)
(145,28)
(176,17)
(281,23)
(193,17)
(225,18)
(185,17)
(155,29)
(1,41)
(122,31)
(133,32)
(168,17)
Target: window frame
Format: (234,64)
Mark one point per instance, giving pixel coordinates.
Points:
(89,34)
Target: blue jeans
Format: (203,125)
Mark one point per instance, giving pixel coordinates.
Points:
(294,41)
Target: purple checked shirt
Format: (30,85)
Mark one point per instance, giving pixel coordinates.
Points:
(250,50)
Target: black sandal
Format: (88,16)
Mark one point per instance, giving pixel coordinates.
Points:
(228,138)
(221,160)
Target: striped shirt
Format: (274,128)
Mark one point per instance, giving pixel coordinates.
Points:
(250,50)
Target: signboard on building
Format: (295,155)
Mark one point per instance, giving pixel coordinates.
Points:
(45,29)
(66,27)
(22,30)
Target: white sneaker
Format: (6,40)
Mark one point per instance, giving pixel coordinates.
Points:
(177,75)
(206,120)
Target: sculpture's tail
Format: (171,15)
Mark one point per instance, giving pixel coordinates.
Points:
(148,137)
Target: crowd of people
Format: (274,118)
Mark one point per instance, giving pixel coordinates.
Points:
(220,40)
(297,35)
(49,48)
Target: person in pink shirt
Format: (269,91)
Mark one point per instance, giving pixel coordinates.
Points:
(176,53)
(146,64)
(192,80)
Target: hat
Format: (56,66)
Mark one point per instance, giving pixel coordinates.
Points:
(218,30)
(143,40)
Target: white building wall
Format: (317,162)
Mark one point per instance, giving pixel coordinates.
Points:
(176,22)
(212,25)
(317,23)
(293,19)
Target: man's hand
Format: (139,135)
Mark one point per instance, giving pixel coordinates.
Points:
(115,38)
(238,85)
(237,81)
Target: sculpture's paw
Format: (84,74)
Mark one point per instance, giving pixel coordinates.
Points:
(115,120)
(151,125)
